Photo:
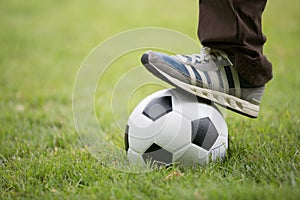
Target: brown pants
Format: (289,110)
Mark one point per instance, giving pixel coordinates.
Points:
(235,27)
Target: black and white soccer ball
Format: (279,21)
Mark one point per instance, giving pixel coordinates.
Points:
(172,126)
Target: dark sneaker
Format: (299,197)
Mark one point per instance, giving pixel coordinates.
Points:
(209,75)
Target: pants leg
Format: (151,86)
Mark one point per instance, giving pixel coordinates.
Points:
(235,27)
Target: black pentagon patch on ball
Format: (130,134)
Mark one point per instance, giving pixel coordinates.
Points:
(126,142)
(204,133)
(157,155)
(158,107)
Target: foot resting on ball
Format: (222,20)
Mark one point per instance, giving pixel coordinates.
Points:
(209,75)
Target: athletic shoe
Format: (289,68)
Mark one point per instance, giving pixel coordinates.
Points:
(209,75)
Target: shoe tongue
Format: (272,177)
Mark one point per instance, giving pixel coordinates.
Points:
(202,65)
(208,66)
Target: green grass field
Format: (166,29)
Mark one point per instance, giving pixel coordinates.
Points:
(43,44)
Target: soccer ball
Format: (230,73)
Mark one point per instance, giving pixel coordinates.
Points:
(172,126)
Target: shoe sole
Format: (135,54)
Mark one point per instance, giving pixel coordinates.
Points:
(225,100)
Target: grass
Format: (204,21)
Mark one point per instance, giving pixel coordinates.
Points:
(41,157)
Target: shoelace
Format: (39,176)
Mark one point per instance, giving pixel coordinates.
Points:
(206,55)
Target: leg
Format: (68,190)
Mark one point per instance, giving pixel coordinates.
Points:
(235,27)
(231,70)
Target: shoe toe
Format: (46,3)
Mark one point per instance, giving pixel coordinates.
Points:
(145,58)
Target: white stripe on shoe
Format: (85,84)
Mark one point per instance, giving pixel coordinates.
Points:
(237,85)
(215,84)
(224,80)
(203,77)
(192,74)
